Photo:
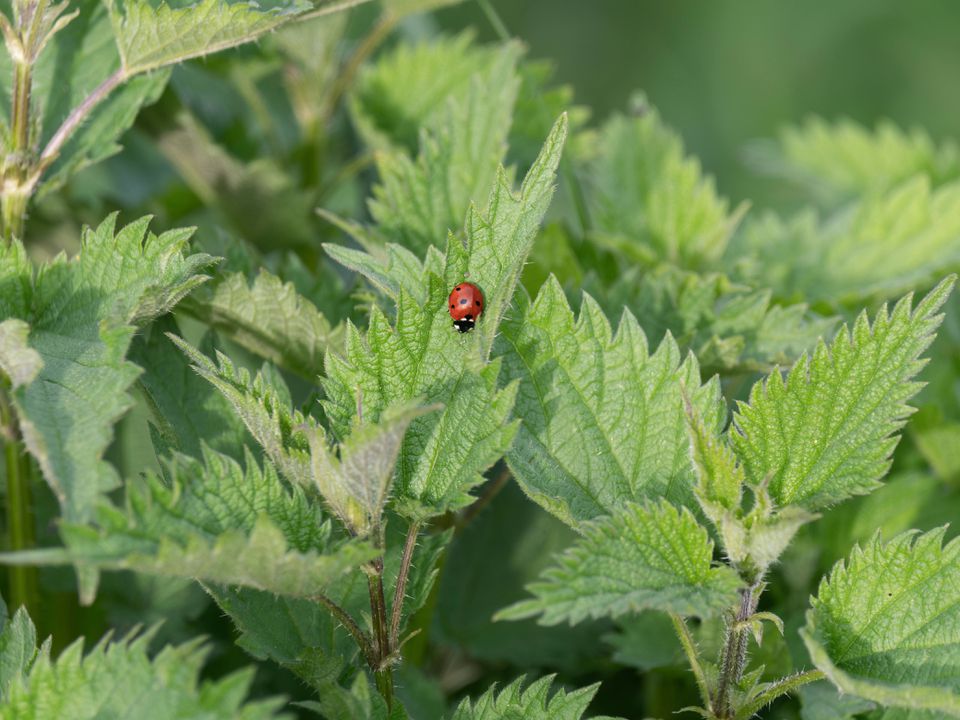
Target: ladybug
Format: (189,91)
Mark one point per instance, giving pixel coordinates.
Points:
(466,305)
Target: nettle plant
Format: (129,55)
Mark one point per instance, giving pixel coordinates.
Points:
(311,466)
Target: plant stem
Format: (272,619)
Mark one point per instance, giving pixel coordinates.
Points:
(400,591)
(23,579)
(734,654)
(382,673)
(363,640)
(690,648)
(787,684)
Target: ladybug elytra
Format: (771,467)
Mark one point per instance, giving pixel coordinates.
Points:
(465,305)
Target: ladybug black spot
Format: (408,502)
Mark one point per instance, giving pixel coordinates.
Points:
(452,305)
(464,301)
(457,289)
(477,303)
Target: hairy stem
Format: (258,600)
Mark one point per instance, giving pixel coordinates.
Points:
(400,591)
(363,640)
(733,657)
(493,17)
(690,649)
(23,579)
(52,151)
(381,638)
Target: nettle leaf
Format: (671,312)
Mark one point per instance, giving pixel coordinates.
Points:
(214,523)
(843,158)
(408,86)
(650,201)
(186,411)
(885,625)
(602,418)
(270,318)
(885,245)
(77,59)
(419,201)
(267,414)
(151,36)
(730,327)
(423,356)
(642,556)
(827,431)
(82,315)
(356,482)
(118,679)
(514,702)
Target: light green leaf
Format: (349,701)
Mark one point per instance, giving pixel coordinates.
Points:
(118,680)
(731,328)
(827,431)
(720,477)
(215,524)
(268,317)
(355,481)
(419,201)
(822,701)
(153,36)
(650,201)
(883,246)
(410,85)
(642,556)
(18,649)
(423,356)
(534,702)
(885,625)
(267,414)
(843,158)
(603,420)
(18,361)
(82,315)
(390,268)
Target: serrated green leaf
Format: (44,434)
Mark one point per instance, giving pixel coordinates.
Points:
(883,246)
(884,625)
(215,524)
(720,478)
(514,702)
(843,158)
(277,427)
(827,431)
(408,86)
(82,315)
(118,679)
(18,649)
(650,201)
(602,419)
(642,556)
(268,317)
(152,36)
(731,328)
(423,356)
(355,480)
(419,201)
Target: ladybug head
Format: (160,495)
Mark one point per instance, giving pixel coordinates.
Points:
(464,325)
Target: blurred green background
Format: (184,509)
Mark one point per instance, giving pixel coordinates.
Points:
(727,72)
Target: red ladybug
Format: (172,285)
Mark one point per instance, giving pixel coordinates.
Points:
(466,305)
